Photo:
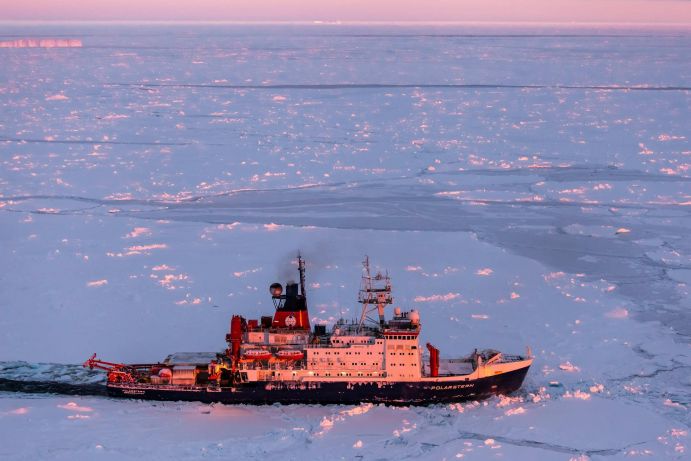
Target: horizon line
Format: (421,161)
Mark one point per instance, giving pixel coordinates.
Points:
(336,22)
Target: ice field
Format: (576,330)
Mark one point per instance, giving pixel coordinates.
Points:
(522,186)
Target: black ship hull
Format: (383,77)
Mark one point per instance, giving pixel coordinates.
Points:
(325,392)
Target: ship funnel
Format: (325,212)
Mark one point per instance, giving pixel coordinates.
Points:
(276,290)
(291,290)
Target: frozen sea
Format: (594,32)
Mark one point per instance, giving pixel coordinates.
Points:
(524,186)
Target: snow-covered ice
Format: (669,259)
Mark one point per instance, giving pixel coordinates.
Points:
(523,186)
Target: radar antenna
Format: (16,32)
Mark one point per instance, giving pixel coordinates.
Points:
(375,294)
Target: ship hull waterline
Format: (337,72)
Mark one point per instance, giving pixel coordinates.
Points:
(332,392)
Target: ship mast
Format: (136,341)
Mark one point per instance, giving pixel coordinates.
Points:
(375,294)
(301,268)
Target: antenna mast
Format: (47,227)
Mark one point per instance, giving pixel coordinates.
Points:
(375,293)
(301,268)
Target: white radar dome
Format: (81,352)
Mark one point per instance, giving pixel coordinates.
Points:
(414,317)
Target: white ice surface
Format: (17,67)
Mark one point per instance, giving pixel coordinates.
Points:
(90,428)
(155,181)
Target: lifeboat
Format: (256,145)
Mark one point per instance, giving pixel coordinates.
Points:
(256,354)
(290,354)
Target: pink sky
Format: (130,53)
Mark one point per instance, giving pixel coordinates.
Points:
(651,11)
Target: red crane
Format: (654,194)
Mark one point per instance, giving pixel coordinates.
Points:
(117,372)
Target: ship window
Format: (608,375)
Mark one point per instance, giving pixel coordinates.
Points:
(413,347)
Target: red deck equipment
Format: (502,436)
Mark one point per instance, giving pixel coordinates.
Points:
(117,372)
(433,360)
(236,329)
